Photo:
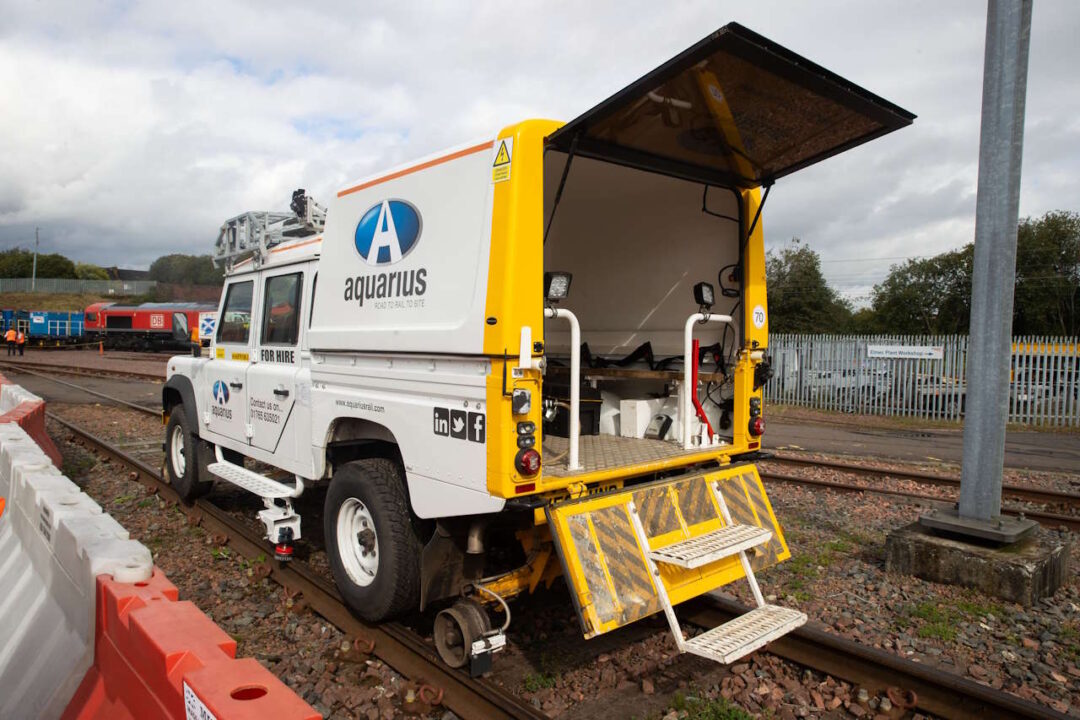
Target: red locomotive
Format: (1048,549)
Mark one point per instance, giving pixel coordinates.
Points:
(149,326)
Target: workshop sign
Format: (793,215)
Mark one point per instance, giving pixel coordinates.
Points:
(906,352)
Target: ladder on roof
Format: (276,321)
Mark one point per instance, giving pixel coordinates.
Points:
(737,637)
(254,233)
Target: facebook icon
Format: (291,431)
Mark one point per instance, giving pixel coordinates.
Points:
(476,427)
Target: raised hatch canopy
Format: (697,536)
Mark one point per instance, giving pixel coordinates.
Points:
(734,110)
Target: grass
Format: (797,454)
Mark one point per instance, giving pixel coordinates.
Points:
(122,499)
(940,622)
(545,678)
(78,467)
(538,681)
(698,709)
(1069,639)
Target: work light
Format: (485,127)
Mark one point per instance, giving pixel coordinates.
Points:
(556,285)
(703,295)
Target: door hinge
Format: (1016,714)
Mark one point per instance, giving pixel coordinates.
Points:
(249,430)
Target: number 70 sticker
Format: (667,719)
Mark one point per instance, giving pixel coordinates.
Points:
(758,316)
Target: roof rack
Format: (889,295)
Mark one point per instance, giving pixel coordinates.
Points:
(254,233)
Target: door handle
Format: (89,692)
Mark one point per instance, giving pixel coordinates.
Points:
(236,385)
(281,392)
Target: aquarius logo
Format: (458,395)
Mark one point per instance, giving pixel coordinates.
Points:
(387,232)
(221,392)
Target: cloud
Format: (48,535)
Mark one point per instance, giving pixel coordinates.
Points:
(133,129)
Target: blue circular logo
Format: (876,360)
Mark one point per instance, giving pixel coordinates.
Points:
(387,232)
(221,392)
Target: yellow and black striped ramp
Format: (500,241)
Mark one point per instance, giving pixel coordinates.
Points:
(605,565)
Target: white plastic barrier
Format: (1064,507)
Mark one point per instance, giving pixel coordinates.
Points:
(54,542)
(12,395)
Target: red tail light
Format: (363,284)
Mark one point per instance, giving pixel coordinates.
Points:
(757,426)
(528,462)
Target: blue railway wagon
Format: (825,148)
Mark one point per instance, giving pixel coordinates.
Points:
(49,327)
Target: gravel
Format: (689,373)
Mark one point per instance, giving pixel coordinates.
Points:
(836,575)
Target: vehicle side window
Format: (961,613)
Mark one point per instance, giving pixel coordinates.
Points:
(235,317)
(281,309)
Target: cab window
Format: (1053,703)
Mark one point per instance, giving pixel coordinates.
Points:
(281,309)
(236,315)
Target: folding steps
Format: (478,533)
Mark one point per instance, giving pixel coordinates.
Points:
(745,634)
(704,549)
(742,635)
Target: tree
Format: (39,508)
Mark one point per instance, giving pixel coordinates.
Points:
(186,270)
(926,295)
(800,301)
(88,271)
(1048,275)
(933,295)
(20,264)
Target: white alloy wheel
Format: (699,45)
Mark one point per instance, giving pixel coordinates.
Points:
(176,452)
(357,542)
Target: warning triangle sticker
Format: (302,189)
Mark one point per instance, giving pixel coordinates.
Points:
(502,157)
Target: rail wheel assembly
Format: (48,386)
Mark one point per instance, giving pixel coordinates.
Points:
(457,628)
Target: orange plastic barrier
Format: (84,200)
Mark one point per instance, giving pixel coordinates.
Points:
(29,414)
(155,657)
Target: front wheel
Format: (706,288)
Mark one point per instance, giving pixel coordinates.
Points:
(181,457)
(371,541)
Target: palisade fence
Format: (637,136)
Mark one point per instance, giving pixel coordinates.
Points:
(922,376)
(65,285)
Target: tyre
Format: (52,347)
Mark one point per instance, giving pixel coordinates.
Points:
(371,540)
(182,461)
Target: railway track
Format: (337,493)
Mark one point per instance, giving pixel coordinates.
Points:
(23,366)
(908,683)
(1053,498)
(398,646)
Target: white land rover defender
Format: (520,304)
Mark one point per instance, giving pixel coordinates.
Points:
(508,362)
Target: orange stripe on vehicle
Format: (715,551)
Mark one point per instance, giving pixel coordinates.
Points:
(298,245)
(421,166)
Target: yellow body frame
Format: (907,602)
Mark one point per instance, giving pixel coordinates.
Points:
(515,300)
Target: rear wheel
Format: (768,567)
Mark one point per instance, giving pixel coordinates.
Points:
(181,462)
(371,540)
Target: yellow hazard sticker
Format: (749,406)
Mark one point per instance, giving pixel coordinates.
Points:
(240,356)
(500,168)
(220,353)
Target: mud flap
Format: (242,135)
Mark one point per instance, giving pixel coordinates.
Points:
(605,565)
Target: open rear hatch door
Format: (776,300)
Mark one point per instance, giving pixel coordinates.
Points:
(734,110)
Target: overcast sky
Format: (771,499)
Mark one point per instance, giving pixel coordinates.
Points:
(129,130)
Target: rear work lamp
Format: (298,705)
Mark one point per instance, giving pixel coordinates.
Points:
(557,285)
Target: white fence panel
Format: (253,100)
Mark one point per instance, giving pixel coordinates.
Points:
(921,376)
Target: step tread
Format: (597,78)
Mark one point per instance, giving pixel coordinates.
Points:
(710,547)
(743,635)
(250,480)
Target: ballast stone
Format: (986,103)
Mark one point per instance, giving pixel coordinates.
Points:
(1024,572)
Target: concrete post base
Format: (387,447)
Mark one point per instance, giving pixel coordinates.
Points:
(1023,572)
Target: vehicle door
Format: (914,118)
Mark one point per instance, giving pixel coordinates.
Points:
(272,375)
(224,402)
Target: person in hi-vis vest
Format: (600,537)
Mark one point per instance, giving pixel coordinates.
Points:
(20,340)
(10,336)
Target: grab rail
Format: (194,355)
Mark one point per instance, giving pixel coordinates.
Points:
(689,363)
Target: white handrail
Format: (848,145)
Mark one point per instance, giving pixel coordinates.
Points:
(575,381)
(685,406)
